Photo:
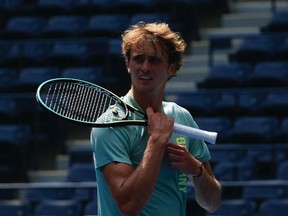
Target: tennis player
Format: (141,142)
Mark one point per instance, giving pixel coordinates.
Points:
(145,170)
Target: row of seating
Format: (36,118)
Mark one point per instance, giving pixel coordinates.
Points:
(243,75)
(83,52)
(12,80)
(233,102)
(49,207)
(76,26)
(264,46)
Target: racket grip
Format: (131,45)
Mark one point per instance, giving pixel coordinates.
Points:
(195,133)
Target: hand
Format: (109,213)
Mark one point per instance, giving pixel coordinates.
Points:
(160,127)
(181,159)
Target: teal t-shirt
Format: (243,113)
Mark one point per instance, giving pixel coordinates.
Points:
(126,144)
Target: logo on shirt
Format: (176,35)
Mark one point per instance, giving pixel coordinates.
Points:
(182,176)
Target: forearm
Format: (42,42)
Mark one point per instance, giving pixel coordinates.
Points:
(207,191)
(138,187)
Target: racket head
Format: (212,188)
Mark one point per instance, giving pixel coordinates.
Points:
(84,103)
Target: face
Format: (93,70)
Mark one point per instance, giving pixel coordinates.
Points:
(149,68)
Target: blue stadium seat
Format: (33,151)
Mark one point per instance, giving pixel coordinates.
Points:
(58,208)
(81,172)
(225,171)
(257,48)
(53,7)
(275,207)
(107,25)
(249,101)
(81,154)
(7,78)
(282,170)
(14,139)
(264,192)
(227,152)
(34,53)
(30,78)
(90,74)
(21,27)
(226,76)
(276,104)
(221,125)
(253,129)
(64,26)
(69,53)
(12,207)
(281,134)
(281,53)
(237,207)
(36,195)
(269,74)
(149,17)
(197,103)
(278,22)
(91,208)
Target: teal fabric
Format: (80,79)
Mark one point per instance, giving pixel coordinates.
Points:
(126,144)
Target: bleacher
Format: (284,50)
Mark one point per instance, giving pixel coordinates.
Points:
(244,99)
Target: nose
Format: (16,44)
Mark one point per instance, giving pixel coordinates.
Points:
(146,65)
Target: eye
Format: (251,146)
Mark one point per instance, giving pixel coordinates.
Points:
(154,60)
(139,59)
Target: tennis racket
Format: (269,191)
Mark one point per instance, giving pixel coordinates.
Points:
(94,106)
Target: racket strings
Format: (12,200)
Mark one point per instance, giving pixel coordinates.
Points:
(80,102)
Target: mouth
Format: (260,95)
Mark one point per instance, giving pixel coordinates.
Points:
(145,77)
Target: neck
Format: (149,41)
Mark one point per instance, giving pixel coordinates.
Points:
(146,100)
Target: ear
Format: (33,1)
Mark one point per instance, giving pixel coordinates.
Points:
(171,70)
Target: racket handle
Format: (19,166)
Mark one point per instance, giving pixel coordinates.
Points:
(195,133)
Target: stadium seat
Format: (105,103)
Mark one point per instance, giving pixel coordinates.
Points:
(225,171)
(221,125)
(227,152)
(253,129)
(30,78)
(90,74)
(281,134)
(248,102)
(197,103)
(275,207)
(281,53)
(226,76)
(53,7)
(276,104)
(81,154)
(64,26)
(237,207)
(58,208)
(68,53)
(14,139)
(264,192)
(257,48)
(7,79)
(21,27)
(106,25)
(81,172)
(34,53)
(149,17)
(13,207)
(282,170)
(268,74)
(37,195)
(91,208)
(278,22)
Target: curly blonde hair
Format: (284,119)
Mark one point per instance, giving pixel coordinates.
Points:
(171,42)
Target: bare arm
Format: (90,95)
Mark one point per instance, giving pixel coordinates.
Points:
(132,188)
(207,188)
